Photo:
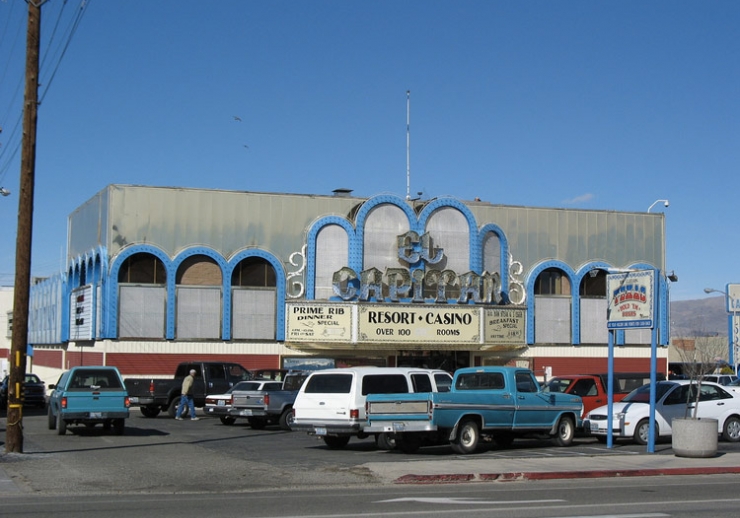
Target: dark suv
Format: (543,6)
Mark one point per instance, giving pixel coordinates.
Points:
(34,392)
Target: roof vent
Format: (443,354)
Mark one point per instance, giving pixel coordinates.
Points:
(342,192)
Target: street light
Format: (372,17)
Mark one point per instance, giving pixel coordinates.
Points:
(733,339)
(665,204)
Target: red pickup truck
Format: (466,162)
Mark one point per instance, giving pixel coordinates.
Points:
(592,387)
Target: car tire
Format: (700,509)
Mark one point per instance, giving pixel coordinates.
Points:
(641,432)
(466,440)
(385,441)
(565,432)
(227,420)
(61,424)
(731,429)
(151,411)
(286,419)
(52,419)
(336,442)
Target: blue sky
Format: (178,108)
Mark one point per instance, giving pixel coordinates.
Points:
(607,105)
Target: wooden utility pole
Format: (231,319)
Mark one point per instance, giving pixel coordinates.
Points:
(21,292)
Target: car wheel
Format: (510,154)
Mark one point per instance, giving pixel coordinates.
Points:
(385,441)
(565,432)
(335,442)
(286,419)
(467,437)
(227,420)
(52,420)
(61,424)
(642,430)
(731,430)
(119,425)
(150,411)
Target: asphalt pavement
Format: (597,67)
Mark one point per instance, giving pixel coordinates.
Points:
(472,468)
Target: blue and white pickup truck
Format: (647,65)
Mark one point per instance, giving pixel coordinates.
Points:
(500,402)
(89,396)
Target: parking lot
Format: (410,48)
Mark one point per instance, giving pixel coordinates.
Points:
(164,455)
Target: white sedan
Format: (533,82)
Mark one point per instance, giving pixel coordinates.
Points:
(673,399)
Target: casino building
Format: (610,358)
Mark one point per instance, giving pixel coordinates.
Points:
(159,275)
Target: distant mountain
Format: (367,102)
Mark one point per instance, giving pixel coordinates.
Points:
(700,317)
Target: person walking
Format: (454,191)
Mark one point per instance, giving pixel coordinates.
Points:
(187,397)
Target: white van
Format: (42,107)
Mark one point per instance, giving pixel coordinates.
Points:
(331,403)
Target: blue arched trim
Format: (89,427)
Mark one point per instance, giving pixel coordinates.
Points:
(475,253)
(313,234)
(111,294)
(531,278)
(503,260)
(280,288)
(580,274)
(357,244)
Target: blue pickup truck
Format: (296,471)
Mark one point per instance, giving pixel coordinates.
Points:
(497,402)
(88,396)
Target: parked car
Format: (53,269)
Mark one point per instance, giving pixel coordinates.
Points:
(331,402)
(154,395)
(89,396)
(219,405)
(720,379)
(267,405)
(592,388)
(34,392)
(630,417)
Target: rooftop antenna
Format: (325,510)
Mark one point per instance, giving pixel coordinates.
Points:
(408,144)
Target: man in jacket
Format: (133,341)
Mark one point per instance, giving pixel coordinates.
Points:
(187,397)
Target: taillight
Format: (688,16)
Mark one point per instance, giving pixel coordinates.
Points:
(151,386)
(266,399)
(354,413)
(231,400)
(126,402)
(64,402)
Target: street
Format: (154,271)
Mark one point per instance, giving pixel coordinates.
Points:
(162,467)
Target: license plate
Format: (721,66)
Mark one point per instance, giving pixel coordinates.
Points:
(221,402)
(245,412)
(134,400)
(320,431)
(594,426)
(96,415)
(399,427)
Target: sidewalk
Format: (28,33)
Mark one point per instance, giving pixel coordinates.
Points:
(470,469)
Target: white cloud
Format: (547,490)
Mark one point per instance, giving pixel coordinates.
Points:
(579,199)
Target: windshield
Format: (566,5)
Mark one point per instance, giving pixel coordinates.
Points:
(642,394)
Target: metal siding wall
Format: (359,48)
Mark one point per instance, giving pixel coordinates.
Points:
(198,313)
(593,321)
(332,254)
(142,311)
(253,314)
(552,320)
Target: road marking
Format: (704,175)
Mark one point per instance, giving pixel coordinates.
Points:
(451,500)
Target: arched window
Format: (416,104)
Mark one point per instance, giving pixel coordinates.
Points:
(143,297)
(552,281)
(254,300)
(142,269)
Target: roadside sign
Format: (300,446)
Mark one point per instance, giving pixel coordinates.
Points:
(631,301)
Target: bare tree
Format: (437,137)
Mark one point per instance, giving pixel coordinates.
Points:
(700,356)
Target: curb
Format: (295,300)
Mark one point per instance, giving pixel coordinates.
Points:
(554,475)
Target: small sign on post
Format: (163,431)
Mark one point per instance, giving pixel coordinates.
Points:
(631,301)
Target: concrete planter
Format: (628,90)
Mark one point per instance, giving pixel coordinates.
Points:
(695,438)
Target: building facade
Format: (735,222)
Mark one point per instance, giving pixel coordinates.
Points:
(159,275)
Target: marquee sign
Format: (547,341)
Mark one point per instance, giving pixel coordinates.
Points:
(631,301)
(416,283)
